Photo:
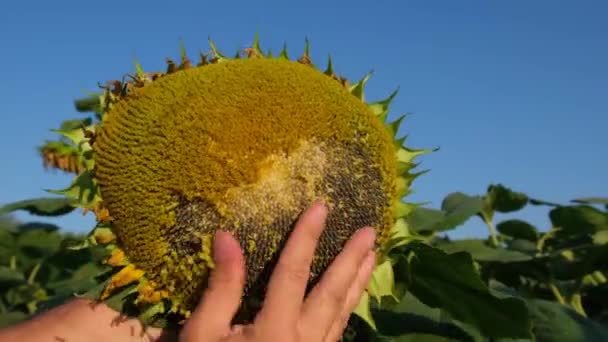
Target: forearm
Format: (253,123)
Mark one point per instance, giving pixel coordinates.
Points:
(79,320)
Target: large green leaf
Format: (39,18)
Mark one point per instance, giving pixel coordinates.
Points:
(7,245)
(10,277)
(593,200)
(450,282)
(579,219)
(39,243)
(82,280)
(456,209)
(521,245)
(412,320)
(518,229)
(41,206)
(582,262)
(480,250)
(557,323)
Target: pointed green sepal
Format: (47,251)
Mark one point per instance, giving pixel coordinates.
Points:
(402,209)
(256,44)
(76,136)
(406,154)
(139,70)
(404,167)
(330,69)
(305,59)
(283,54)
(306,47)
(217,54)
(185,62)
(358,89)
(393,127)
(182,49)
(83,189)
(380,108)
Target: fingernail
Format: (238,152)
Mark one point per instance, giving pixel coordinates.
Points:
(371,238)
(224,247)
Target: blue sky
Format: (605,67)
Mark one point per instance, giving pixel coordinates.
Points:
(511,91)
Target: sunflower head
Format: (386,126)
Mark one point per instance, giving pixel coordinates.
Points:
(242,145)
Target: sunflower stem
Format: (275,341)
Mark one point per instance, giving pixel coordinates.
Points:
(13,262)
(30,279)
(577,305)
(492,231)
(558,296)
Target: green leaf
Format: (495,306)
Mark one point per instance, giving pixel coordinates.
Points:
(518,229)
(450,282)
(7,245)
(539,202)
(82,280)
(39,243)
(41,206)
(553,322)
(88,104)
(558,323)
(579,219)
(31,226)
(25,294)
(69,125)
(10,277)
(501,199)
(521,245)
(481,250)
(363,310)
(382,282)
(76,136)
(582,262)
(83,189)
(412,320)
(591,200)
(456,209)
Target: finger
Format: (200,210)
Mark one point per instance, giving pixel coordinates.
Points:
(353,297)
(327,298)
(287,285)
(220,301)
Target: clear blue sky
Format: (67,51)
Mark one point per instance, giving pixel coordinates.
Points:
(511,91)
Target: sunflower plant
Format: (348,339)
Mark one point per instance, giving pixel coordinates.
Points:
(244,144)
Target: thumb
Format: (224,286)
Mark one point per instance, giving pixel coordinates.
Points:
(213,316)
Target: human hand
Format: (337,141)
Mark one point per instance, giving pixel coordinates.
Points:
(286,315)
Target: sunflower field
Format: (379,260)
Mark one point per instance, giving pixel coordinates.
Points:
(245,143)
